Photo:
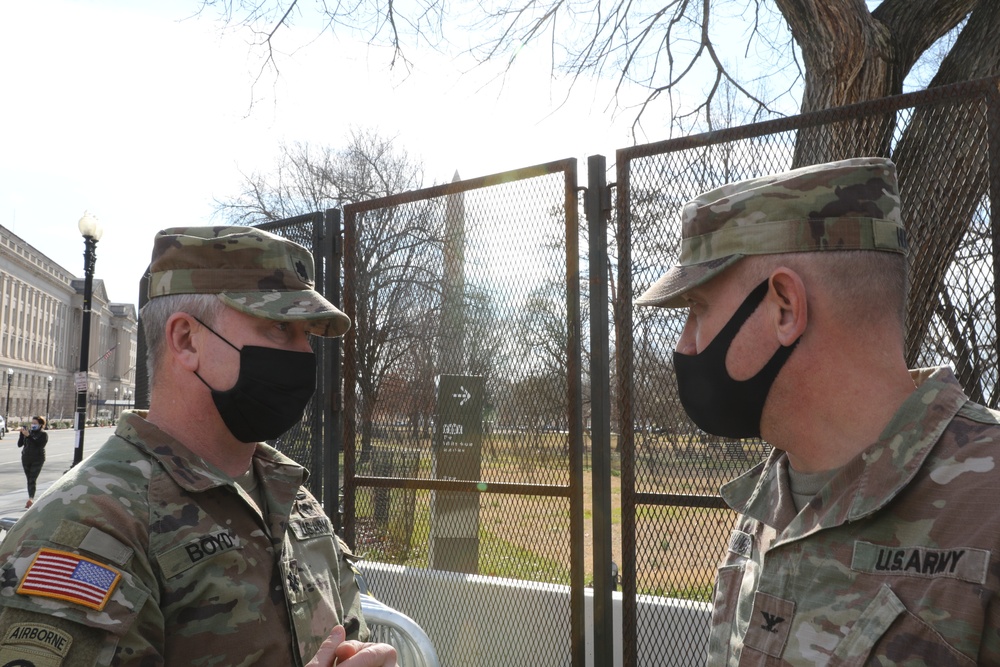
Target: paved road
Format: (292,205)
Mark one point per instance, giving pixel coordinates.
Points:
(58,458)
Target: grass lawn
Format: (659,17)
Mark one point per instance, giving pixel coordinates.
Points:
(527,537)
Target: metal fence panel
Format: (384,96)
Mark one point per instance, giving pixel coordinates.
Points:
(473,286)
(674,524)
(310,441)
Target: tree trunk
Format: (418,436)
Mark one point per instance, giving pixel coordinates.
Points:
(948,171)
(848,57)
(968,359)
(851,55)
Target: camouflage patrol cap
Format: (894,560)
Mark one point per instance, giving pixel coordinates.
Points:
(846,205)
(253,271)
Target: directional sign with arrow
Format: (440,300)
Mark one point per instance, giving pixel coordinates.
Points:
(460,426)
(463,394)
(457,456)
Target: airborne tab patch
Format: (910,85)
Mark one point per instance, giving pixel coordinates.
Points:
(961,563)
(71,577)
(39,635)
(35,645)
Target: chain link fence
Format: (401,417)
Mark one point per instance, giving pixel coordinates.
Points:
(944,142)
(462,412)
(315,441)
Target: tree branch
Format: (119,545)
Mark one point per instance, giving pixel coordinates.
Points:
(916,24)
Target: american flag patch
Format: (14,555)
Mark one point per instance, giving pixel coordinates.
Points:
(71,577)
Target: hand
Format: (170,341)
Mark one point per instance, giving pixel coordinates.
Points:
(335,652)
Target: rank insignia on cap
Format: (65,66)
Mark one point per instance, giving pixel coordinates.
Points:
(71,577)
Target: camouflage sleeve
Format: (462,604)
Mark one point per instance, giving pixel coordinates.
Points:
(989,649)
(73,598)
(33,638)
(102,599)
(350,595)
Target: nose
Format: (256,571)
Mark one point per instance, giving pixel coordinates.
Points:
(302,343)
(687,343)
(300,338)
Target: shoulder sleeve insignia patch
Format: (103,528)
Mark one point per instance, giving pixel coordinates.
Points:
(32,638)
(70,577)
(741,543)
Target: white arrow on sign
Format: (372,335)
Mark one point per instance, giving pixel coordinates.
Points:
(465,395)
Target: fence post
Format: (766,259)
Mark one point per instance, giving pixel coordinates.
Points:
(333,441)
(993,166)
(597,208)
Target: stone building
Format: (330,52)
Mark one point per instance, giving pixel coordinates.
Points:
(41,310)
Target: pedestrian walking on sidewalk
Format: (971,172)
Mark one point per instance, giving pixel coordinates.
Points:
(32,442)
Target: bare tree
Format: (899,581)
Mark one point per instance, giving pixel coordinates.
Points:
(311,178)
(840,50)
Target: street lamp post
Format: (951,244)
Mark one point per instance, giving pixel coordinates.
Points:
(6,412)
(114,410)
(48,398)
(91,230)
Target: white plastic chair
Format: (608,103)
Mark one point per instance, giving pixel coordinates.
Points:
(393,627)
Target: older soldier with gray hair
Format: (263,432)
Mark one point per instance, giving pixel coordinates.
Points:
(871,534)
(184,540)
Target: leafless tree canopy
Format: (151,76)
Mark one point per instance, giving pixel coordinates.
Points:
(309,178)
(840,51)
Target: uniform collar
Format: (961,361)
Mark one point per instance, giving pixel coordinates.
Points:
(192,472)
(871,479)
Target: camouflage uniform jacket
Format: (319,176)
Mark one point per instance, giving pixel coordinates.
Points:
(895,562)
(181,567)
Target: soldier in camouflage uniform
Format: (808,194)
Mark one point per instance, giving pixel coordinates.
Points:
(184,540)
(871,534)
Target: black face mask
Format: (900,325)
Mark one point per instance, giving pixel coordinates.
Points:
(716,402)
(271,393)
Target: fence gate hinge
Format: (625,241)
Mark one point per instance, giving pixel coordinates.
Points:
(606,199)
(603,197)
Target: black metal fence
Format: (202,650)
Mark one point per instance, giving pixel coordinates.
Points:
(944,142)
(315,441)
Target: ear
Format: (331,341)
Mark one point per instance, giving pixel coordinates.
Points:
(179,340)
(788,303)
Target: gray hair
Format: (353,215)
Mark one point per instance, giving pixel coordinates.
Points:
(156,312)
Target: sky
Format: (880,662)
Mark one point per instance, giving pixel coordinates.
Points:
(143,117)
